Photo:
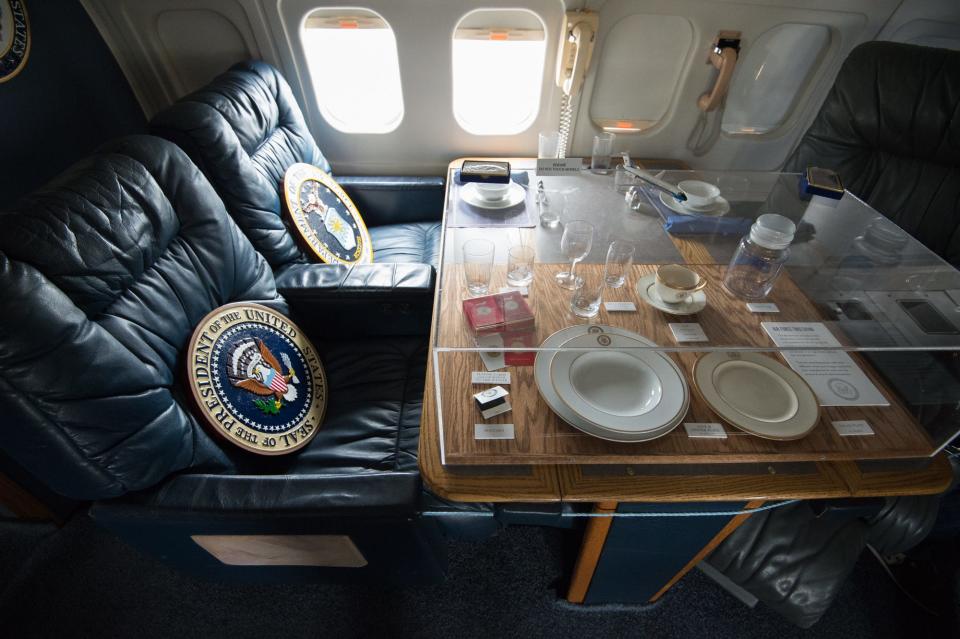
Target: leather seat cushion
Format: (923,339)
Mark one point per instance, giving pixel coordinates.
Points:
(104,274)
(890,127)
(244,130)
(372,422)
(414,242)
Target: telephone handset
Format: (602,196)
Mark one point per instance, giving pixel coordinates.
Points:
(576,46)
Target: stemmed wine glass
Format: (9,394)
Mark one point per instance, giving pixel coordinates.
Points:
(575,244)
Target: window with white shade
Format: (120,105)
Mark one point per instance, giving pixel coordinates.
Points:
(352,59)
(770,75)
(498,58)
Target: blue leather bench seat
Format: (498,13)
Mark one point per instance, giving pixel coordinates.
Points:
(245,129)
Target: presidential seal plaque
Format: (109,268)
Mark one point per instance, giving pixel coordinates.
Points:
(14,38)
(325,217)
(256,379)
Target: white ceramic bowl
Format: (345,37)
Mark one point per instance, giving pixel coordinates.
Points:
(699,193)
(492,192)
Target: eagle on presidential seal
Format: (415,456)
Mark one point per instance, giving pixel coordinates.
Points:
(252,367)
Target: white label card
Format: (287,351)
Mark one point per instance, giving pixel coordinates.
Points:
(619,306)
(853,428)
(493,431)
(523,290)
(705,430)
(488,377)
(691,332)
(835,378)
(762,307)
(800,334)
(559,166)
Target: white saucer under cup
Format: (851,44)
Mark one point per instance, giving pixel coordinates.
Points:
(647,290)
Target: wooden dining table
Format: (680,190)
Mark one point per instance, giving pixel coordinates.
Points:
(551,462)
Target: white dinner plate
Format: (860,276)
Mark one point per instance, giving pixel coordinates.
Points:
(542,377)
(647,290)
(757,394)
(515,195)
(719,207)
(626,389)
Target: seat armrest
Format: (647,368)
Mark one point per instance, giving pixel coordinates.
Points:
(395,200)
(341,495)
(362,299)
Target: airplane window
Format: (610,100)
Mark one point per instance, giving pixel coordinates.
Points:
(770,76)
(498,58)
(352,59)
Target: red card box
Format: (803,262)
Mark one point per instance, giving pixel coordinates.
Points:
(496,313)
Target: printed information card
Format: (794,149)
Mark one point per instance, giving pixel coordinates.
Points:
(705,430)
(619,306)
(493,431)
(559,166)
(833,375)
(485,377)
(688,332)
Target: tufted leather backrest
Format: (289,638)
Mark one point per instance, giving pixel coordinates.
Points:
(104,274)
(244,130)
(891,128)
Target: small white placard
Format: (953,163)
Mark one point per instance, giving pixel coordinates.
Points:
(852,428)
(691,332)
(489,377)
(706,430)
(762,307)
(619,306)
(496,410)
(800,334)
(523,290)
(559,166)
(493,431)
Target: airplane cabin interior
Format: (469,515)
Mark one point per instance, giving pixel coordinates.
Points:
(514,318)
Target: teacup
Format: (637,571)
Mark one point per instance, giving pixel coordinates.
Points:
(699,194)
(492,192)
(676,283)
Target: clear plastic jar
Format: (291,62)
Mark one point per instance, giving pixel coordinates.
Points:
(760,257)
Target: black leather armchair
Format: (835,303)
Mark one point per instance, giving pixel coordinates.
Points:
(245,129)
(104,274)
(890,127)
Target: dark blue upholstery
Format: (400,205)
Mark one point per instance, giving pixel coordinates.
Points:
(104,274)
(890,127)
(245,129)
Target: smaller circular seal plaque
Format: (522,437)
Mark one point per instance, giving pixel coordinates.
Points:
(325,217)
(14,38)
(256,379)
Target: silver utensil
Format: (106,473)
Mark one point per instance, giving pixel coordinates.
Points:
(656,183)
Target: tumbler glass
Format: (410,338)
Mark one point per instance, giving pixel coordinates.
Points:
(619,259)
(585,301)
(477,265)
(520,265)
(552,205)
(602,149)
(548,145)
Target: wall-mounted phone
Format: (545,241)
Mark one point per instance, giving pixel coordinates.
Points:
(576,47)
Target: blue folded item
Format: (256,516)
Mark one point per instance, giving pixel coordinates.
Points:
(702,225)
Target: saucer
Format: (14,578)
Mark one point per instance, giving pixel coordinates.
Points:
(515,195)
(647,290)
(718,208)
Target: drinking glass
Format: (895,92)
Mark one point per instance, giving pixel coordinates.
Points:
(623,180)
(520,265)
(576,242)
(552,205)
(602,149)
(619,259)
(548,144)
(585,301)
(477,265)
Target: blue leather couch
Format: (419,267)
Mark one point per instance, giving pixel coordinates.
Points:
(104,273)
